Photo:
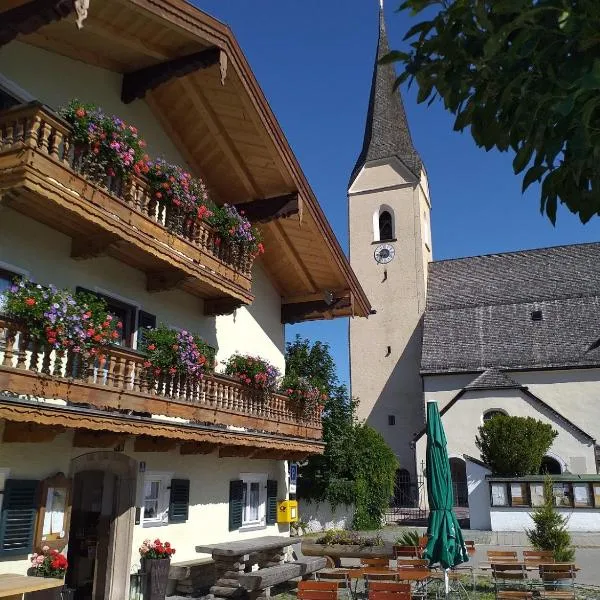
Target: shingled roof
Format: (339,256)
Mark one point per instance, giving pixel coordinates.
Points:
(386,130)
(493,379)
(528,309)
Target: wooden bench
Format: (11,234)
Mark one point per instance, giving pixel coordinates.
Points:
(191,577)
(259,583)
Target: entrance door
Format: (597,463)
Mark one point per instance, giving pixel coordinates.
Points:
(93,512)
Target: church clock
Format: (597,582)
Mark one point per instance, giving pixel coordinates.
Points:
(384,254)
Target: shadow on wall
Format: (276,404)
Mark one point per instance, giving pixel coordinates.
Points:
(402,398)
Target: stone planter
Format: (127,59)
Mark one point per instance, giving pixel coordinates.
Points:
(155,573)
(334,552)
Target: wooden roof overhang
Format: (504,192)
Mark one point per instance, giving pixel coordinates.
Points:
(150,434)
(190,70)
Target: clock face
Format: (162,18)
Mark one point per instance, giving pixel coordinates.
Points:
(384,253)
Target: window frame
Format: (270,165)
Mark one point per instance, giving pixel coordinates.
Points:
(496,411)
(261,479)
(390,224)
(164,478)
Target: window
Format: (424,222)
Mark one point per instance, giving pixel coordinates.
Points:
(518,494)
(6,280)
(254,496)
(490,414)
(156,498)
(391,419)
(499,495)
(386,229)
(537,315)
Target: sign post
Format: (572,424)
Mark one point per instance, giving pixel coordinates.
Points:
(293,477)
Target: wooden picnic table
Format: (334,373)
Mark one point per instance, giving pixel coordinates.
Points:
(233,559)
(13,586)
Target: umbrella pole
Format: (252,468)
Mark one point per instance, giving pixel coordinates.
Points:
(446,582)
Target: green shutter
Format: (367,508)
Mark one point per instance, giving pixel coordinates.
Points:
(18,517)
(236,504)
(179,500)
(271,502)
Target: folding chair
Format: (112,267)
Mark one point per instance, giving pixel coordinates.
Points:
(317,590)
(337,576)
(470,546)
(375,562)
(383,590)
(558,581)
(406,552)
(535,558)
(502,556)
(411,563)
(509,578)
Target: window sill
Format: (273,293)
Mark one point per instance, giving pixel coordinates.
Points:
(154,523)
(383,241)
(252,527)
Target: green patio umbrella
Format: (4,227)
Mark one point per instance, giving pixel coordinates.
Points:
(445,544)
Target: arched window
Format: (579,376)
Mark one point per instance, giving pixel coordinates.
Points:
(550,466)
(386,228)
(490,414)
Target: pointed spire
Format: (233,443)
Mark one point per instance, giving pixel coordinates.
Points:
(386,130)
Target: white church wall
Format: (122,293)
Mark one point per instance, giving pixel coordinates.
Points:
(519,519)
(479,496)
(442,388)
(321,516)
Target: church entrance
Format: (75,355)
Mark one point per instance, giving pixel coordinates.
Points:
(550,466)
(458,470)
(101,530)
(403,492)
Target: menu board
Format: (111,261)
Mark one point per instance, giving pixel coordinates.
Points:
(499,497)
(536,491)
(518,494)
(581,494)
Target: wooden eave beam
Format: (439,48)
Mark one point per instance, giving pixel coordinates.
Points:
(137,83)
(85,438)
(15,431)
(153,444)
(28,18)
(188,448)
(221,306)
(269,209)
(162,281)
(301,311)
(236,451)
(93,246)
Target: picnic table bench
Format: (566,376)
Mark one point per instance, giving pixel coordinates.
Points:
(234,562)
(13,586)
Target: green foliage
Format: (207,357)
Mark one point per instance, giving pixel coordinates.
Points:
(550,531)
(522,75)
(357,467)
(409,538)
(514,446)
(343,537)
(254,372)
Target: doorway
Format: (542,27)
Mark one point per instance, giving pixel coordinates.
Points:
(458,471)
(101,530)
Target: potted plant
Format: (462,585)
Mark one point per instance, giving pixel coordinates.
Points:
(255,373)
(155,563)
(308,398)
(52,564)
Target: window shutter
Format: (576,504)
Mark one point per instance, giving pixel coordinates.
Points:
(18,517)
(236,504)
(271,502)
(179,501)
(145,320)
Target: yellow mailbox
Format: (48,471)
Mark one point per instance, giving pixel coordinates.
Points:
(287,511)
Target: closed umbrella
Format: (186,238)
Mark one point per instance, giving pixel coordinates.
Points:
(445,544)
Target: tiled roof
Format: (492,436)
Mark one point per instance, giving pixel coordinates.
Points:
(386,130)
(493,379)
(529,309)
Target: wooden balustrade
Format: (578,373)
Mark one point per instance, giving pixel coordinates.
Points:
(122,371)
(38,128)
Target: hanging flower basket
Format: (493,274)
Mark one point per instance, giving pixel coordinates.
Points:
(255,373)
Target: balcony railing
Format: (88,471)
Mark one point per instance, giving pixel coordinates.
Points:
(121,383)
(125,210)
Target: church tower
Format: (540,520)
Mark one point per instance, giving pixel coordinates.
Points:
(390,248)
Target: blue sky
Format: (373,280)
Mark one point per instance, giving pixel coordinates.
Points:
(314,61)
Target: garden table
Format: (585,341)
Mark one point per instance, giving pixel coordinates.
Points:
(12,586)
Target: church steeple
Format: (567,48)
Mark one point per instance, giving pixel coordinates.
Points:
(386,130)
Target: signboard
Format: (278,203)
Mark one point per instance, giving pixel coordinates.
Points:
(293,477)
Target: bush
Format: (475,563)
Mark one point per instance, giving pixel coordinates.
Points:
(550,531)
(514,446)
(343,537)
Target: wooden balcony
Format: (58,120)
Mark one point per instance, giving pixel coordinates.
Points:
(38,178)
(122,386)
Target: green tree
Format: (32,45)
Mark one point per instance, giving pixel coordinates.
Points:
(514,446)
(550,531)
(357,466)
(522,75)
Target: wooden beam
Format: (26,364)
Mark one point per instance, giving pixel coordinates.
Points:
(236,451)
(269,209)
(93,246)
(221,306)
(221,136)
(31,16)
(153,444)
(15,431)
(294,313)
(291,254)
(86,438)
(137,83)
(169,279)
(197,448)
(316,296)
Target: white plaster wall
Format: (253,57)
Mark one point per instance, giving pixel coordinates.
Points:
(479,496)
(442,388)
(256,329)
(463,419)
(55,80)
(519,519)
(320,516)
(209,492)
(389,384)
